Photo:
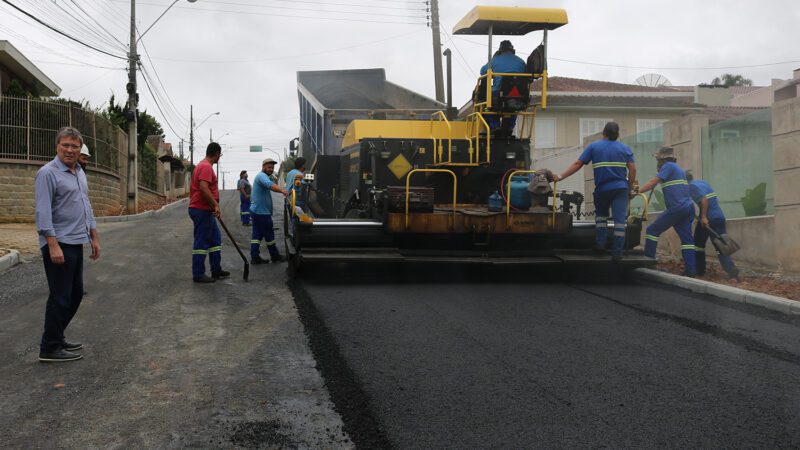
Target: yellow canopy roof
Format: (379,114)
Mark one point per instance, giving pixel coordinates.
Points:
(510,20)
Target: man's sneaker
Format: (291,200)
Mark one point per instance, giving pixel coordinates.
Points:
(220,274)
(278,259)
(59,355)
(258,260)
(71,346)
(204,279)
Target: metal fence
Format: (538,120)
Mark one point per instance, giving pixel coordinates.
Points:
(28,130)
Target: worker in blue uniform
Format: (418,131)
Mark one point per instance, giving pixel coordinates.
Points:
(680,209)
(504,61)
(261,214)
(614,179)
(244,188)
(711,216)
(298,171)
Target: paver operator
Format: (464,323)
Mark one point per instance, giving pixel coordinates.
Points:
(614,178)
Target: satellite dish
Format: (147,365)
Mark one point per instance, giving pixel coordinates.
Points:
(653,80)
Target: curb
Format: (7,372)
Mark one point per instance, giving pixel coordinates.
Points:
(10,260)
(771,302)
(140,216)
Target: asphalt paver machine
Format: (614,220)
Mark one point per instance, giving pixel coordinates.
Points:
(449,190)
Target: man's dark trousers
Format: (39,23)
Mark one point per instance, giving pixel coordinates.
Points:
(66,292)
(262,229)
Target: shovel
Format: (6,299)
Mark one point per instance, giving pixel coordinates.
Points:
(246,272)
(724,244)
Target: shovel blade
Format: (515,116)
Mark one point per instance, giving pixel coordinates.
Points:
(725,245)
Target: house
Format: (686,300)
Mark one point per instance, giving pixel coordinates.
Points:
(14,66)
(578,108)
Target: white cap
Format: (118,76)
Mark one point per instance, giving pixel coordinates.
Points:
(85,150)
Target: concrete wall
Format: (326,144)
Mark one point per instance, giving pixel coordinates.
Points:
(18,199)
(786,164)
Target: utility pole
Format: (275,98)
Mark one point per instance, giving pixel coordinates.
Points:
(210,137)
(437,51)
(132,117)
(191,135)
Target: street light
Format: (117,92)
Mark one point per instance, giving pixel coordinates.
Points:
(193,127)
(133,99)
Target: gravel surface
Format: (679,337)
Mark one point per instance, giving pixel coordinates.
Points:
(167,363)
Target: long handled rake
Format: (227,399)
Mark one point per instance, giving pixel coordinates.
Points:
(246,273)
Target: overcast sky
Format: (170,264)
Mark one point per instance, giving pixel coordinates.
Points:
(240,57)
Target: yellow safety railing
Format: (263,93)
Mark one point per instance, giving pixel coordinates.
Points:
(437,143)
(508,198)
(475,134)
(455,190)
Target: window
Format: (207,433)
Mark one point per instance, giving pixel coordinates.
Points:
(544,133)
(650,130)
(592,126)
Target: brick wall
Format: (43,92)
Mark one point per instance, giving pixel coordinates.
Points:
(17,198)
(148,199)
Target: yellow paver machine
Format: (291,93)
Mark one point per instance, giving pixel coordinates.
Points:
(441,189)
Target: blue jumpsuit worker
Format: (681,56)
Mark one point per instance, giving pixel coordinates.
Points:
(680,209)
(203,209)
(711,216)
(504,61)
(614,179)
(299,170)
(244,188)
(261,214)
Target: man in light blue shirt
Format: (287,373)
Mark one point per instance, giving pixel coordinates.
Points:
(261,214)
(64,221)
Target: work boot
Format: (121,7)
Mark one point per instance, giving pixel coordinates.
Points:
(71,346)
(258,260)
(733,274)
(278,259)
(220,274)
(204,279)
(59,355)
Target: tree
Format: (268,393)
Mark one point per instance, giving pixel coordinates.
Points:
(146,125)
(729,79)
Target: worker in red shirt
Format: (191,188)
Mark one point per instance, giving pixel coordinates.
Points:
(204,209)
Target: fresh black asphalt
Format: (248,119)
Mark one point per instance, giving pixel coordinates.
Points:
(445,358)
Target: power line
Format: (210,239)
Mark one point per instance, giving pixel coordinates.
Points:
(278,58)
(621,66)
(51,51)
(85,25)
(361,13)
(147,83)
(164,89)
(341,4)
(61,32)
(99,24)
(252,13)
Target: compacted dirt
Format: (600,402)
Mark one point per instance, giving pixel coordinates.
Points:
(772,284)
